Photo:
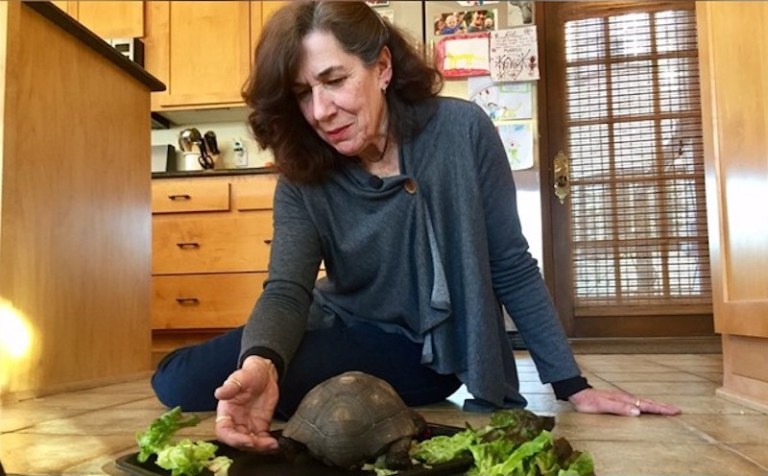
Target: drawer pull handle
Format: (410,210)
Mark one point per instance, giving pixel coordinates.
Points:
(180,197)
(188,246)
(267,242)
(188,301)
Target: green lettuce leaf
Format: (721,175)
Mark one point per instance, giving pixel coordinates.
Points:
(185,457)
(442,448)
(514,443)
(161,431)
(583,465)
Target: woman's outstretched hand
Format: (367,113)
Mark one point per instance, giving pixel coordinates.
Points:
(593,400)
(247,401)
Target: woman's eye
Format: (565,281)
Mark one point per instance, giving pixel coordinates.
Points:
(335,81)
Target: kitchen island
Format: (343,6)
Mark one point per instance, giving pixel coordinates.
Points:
(75,220)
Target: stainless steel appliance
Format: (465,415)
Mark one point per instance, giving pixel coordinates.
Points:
(163,158)
(131,48)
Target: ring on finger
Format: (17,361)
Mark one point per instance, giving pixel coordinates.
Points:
(222,418)
(236,381)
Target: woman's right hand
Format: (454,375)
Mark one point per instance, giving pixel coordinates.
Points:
(247,401)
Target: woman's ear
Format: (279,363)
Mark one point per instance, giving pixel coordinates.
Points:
(385,67)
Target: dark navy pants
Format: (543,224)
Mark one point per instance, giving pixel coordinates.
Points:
(188,376)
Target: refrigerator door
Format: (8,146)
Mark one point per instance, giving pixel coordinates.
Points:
(405,14)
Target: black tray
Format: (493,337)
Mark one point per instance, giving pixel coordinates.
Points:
(247,463)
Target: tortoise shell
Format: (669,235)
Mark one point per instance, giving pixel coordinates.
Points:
(348,419)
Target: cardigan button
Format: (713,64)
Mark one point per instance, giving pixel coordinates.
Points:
(410,186)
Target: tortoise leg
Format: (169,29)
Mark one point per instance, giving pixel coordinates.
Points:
(293,451)
(397,455)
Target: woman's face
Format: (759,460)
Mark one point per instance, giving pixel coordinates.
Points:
(341,98)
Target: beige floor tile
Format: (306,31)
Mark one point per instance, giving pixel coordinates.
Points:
(618,359)
(730,429)
(614,428)
(711,375)
(706,388)
(756,452)
(150,403)
(89,400)
(104,464)
(667,376)
(625,367)
(665,458)
(30,454)
(82,433)
(703,404)
(686,359)
(15,418)
(702,369)
(205,430)
(140,387)
(598,382)
(113,421)
(588,375)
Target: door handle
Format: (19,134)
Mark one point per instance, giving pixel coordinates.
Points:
(562,171)
(178,197)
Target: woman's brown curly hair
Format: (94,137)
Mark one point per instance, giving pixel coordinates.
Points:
(275,118)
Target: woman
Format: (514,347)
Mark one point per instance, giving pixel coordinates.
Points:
(409,201)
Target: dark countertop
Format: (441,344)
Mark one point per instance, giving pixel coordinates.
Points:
(93,41)
(214,173)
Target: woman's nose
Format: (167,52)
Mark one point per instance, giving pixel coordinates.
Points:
(322,104)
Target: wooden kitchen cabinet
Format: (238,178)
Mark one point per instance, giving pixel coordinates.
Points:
(202,50)
(269,8)
(108,19)
(211,239)
(733,40)
(202,301)
(67,6)
(212,243)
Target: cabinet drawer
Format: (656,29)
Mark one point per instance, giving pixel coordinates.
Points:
(211,244)
(204,301)
(179,196)
(254,193)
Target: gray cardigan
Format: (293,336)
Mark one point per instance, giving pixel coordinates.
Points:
(434,261)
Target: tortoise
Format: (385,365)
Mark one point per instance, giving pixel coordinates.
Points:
(350,419)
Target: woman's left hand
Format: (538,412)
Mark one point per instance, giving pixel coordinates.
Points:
(593,400)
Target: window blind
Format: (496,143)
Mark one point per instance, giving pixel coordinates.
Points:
(637,203)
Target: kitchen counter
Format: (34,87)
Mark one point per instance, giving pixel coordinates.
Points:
(94,42)
(214,173)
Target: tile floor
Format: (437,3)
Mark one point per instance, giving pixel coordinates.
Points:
(82,433)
